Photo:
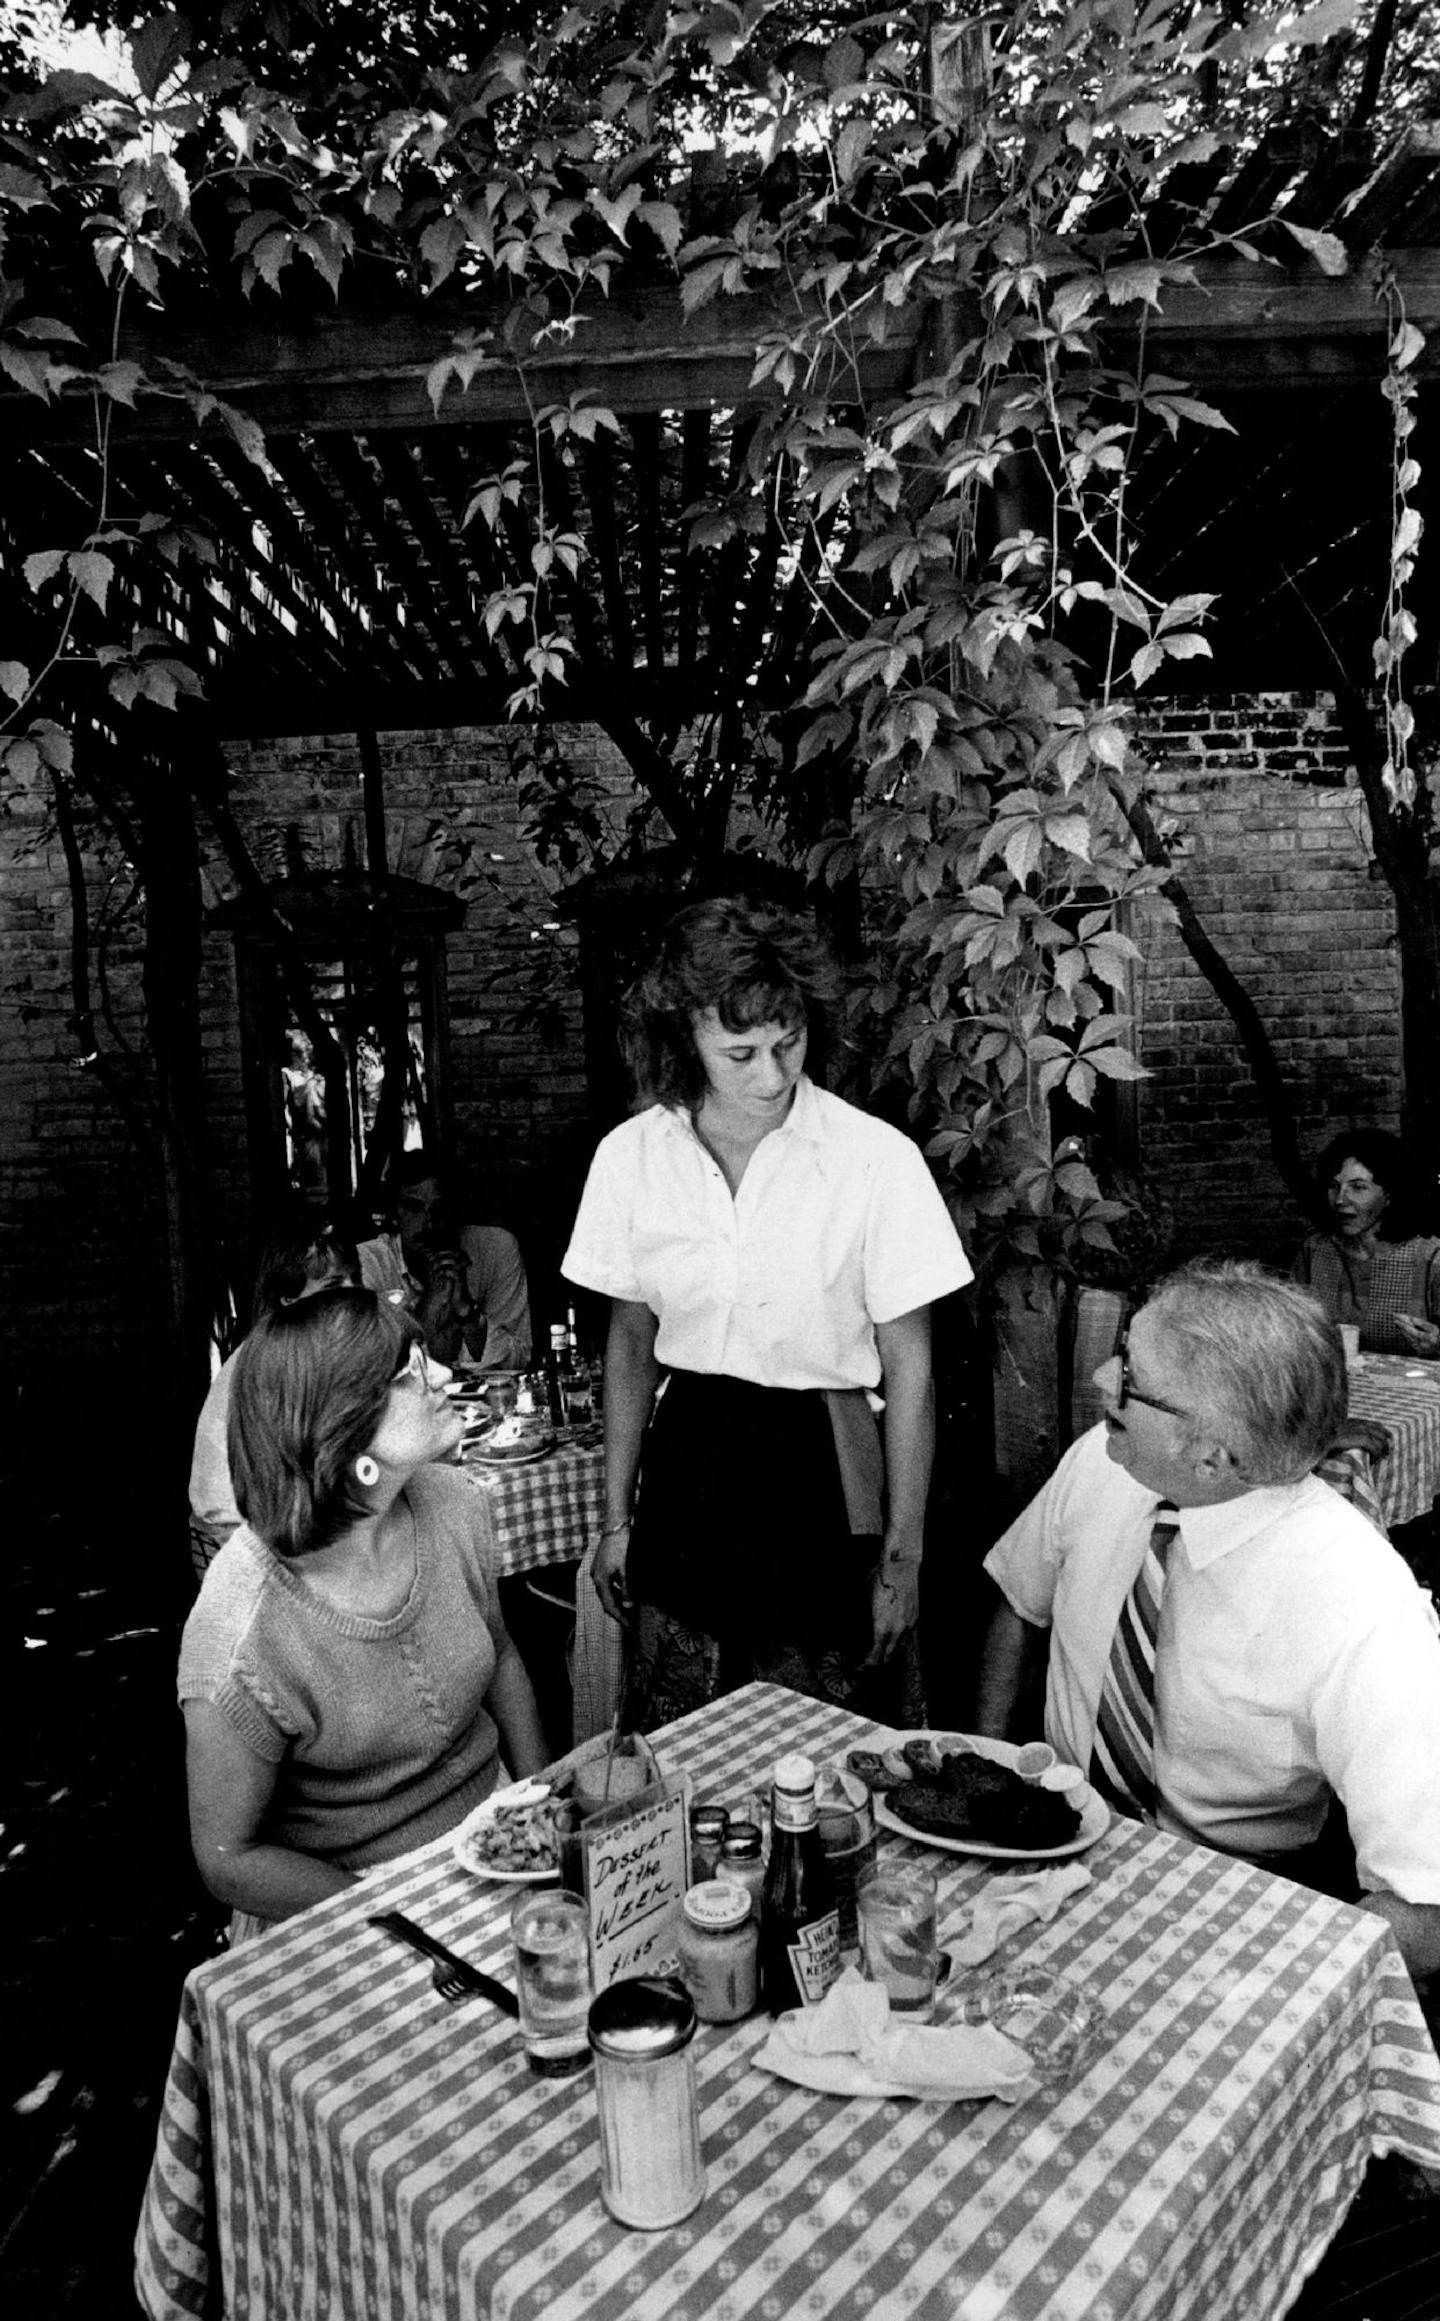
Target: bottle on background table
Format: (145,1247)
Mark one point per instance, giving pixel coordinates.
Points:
(576,1390)
(799,1923)
(554,1373)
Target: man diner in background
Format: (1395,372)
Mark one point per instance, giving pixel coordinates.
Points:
(1232,1647)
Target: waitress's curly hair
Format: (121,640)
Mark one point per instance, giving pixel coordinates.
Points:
(753,963)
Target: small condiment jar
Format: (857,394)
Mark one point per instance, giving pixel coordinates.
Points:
(719,1942)
(742,1860)
(651,2170)
(708,1824)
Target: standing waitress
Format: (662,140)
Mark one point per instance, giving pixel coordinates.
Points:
(771,1255)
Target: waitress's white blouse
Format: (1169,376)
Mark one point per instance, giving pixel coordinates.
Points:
(838,1225)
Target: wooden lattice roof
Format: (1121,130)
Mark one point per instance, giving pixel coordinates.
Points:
(347,590)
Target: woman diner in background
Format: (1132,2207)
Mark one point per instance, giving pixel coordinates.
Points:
(1374,1267)
(346,1676)
(771,1255)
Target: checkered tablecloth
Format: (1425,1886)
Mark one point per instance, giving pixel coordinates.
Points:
(1404,1395)
(548,1512)
(338,2141)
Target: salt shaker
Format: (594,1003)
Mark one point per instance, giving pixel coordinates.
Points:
(708,1824)
(651,2170)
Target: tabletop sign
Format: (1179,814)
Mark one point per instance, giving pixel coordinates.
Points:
(636,1866)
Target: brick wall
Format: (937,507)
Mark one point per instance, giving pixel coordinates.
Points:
(81,1221)
(1277,866)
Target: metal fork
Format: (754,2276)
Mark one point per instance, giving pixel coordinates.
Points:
(451,1986)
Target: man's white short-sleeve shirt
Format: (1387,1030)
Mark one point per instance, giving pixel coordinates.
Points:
(838,1225)
(1296,1655)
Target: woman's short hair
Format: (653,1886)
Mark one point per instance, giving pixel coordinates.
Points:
(310,1385)
(1263,1363)
(752,962)
(1389,1164)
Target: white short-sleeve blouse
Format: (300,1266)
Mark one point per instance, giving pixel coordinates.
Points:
(838,1225)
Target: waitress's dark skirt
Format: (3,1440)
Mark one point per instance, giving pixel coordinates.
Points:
(742,1564)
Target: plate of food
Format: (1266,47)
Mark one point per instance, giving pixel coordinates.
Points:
(507,1442)
(514,1837)
(964,1793)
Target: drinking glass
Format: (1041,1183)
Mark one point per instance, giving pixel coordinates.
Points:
(898,1946)
(608,1778)
(501,1388)
(1058,2026)
(551,1935)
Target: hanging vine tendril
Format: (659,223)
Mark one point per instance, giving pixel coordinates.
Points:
(1406,344)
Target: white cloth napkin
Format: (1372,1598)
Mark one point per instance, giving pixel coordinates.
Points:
(851,2045)
(1010,1902)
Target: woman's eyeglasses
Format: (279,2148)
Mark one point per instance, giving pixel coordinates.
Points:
(1129,1392)
(415,1366)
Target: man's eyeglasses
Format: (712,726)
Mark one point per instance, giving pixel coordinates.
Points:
(1129,1392)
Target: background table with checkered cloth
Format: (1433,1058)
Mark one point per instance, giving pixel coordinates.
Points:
(1404,1395)
(337,2140)
(548,1511)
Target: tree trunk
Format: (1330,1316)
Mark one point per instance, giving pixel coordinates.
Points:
(170,866)
(1400,838)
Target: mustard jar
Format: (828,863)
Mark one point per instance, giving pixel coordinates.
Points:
(719,1941)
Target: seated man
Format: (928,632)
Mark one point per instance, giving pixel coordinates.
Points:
(470,1295)
(1231,1645)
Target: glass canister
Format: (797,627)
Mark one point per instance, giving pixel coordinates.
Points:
(708,1824)
(742,1859)
(651,2169)
(719,1942)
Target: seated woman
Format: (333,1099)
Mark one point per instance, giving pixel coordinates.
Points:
(1374,1267)
(308,1255)
(346,1676)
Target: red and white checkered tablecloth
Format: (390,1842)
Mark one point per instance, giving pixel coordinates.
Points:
(1404,1395)
(338,2141)
(549,1511)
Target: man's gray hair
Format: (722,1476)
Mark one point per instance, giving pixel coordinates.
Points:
(1263,1364)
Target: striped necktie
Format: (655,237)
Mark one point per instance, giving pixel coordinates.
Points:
(1122,1765)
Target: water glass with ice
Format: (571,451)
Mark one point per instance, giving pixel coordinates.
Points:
(898,1944)
(551,1935)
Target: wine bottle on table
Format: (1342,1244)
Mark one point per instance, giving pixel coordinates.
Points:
(799,1922)
(555,1374)
(575,1389)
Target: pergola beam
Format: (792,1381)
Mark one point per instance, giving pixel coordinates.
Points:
(1266,326)
(1248,322)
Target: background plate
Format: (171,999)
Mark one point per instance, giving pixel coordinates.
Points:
(1094,1812)
(476,1455)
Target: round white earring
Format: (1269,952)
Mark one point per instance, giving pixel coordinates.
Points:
(367,1473)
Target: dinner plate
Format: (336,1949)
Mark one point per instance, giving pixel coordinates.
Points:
(1094,1812)
(538,1442)
(462,1843)
(476,1454)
